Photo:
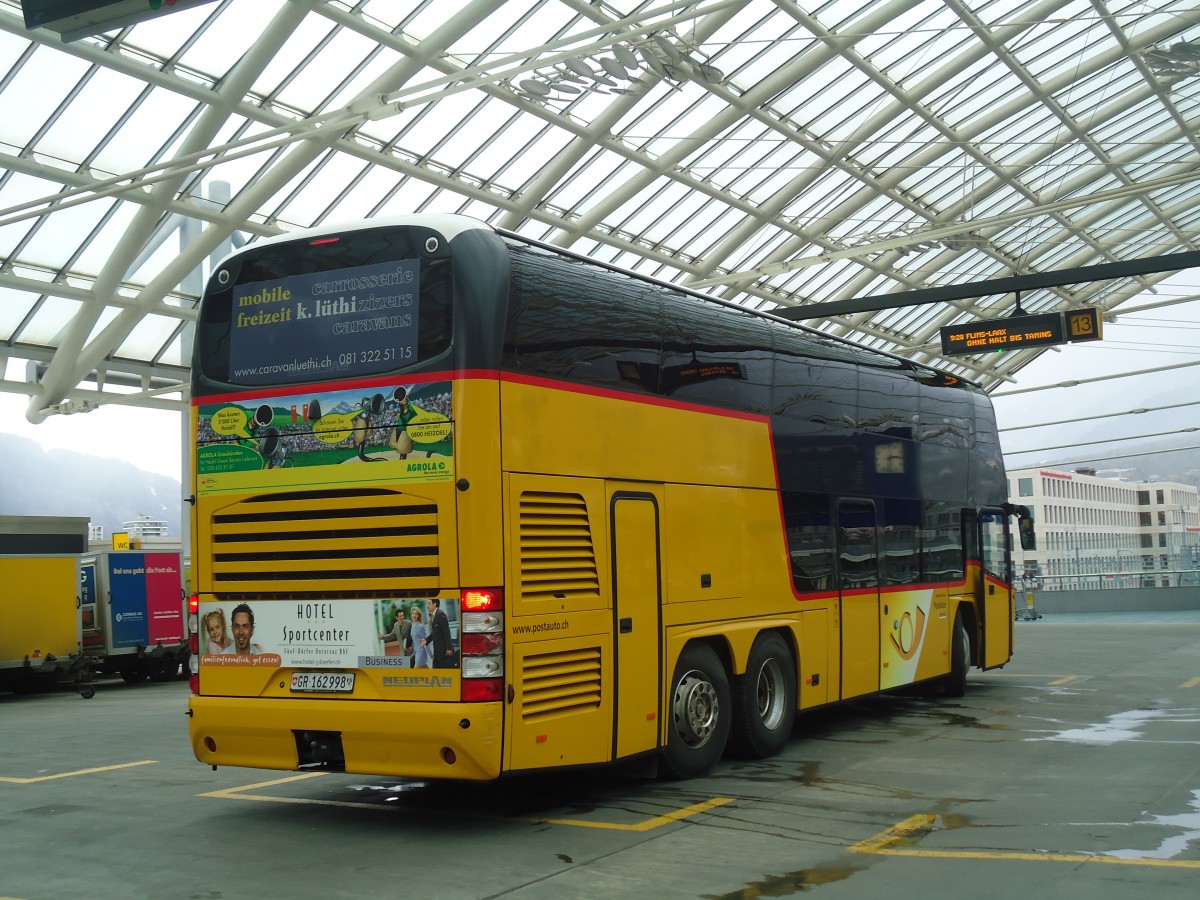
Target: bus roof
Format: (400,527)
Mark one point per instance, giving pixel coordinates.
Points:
(449,225)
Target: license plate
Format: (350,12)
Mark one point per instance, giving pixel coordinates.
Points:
(323,682)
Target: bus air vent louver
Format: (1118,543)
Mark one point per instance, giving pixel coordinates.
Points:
(559,683)
(558,560)
(364,539)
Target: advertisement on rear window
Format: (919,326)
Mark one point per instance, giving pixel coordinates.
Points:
(333,324)
(334,634)
(400,432)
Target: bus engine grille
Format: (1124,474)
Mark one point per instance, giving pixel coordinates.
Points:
(560,682)
(558,560)
(361,539)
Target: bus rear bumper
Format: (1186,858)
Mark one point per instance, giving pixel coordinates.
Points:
(460,741)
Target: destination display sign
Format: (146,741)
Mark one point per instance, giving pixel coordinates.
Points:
(1022,332)
(1084,324)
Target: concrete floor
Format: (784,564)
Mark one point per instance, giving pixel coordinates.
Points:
(1071,773)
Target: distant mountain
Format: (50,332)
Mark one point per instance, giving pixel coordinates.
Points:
(1156,441)
(1156,462)
(109,492)
(1166,425)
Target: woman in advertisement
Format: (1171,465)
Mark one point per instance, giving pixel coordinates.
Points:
(419,635)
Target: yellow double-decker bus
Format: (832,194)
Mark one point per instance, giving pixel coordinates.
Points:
(466,505)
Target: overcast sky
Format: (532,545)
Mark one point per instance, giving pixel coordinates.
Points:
(149,439)
(1155,339)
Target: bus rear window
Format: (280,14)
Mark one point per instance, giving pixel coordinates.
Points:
(301,312)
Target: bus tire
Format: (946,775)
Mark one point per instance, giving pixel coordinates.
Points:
(699,708)
(955,684)
(764,699)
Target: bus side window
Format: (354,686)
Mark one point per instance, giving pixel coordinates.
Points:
(900,553)
(994,545)
(858,547)
(941,543)
(810,541)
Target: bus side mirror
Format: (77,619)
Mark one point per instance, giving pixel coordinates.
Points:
(1024,525)
(1025,529)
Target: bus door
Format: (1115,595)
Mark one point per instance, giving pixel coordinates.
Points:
(858,579)
(995,587)
(637,622)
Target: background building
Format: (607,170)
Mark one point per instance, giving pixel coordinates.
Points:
(1096,533)
(145,526)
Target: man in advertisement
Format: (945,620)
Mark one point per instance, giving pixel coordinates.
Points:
(439,627)
(242,625)
(401,636)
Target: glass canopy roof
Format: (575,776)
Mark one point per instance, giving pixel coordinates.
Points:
(784,155)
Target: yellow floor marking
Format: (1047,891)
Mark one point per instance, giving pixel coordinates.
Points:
(236,792)
(1191,683)
(144,762)
(239,793)
(656,822)
(913,826)
(1066,680)
(884,844)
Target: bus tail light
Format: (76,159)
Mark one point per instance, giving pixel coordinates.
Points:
(193,626)
(481,644)
(482,690)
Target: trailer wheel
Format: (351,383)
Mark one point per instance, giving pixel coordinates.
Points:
(163,668)
(764,699)
(700,713)
(133,676)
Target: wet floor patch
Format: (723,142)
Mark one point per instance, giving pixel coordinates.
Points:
(1132,725)
(789,883)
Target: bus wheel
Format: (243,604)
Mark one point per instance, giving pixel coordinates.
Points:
(764,699)
(955,684)
(700,713)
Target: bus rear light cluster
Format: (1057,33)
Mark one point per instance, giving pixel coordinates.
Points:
(481,645)
(475,644)
(193,627)
(483,667)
